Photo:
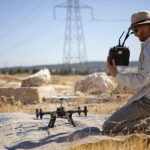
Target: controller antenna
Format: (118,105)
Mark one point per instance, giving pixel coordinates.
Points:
(120,38)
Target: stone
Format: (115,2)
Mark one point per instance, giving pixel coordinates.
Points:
(40,78)
(28,95)
(23,131)
(95,83)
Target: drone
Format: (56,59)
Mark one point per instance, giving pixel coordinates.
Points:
(61,113)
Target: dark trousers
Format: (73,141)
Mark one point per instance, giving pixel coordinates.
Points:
(127,118)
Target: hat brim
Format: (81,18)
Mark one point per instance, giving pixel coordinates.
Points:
(136,24)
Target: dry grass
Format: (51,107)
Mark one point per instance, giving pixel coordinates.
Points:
(6,79)
(65,80)
(15,77)
(10,105)
(3,84)
(132,143)
(103,104)
(9,108)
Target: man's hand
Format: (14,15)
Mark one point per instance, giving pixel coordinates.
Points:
(112,68)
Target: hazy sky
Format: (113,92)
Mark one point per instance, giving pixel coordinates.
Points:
(30,36)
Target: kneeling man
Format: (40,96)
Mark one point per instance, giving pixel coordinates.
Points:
(138,106)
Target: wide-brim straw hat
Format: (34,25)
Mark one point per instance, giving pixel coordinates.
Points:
(140,18)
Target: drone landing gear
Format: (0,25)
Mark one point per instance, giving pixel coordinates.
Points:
(67,116)
(70,120)
(52,121)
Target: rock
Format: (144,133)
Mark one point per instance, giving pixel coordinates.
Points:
(27,95)
(24,131)
(27,132)
(95,83)
(38,79)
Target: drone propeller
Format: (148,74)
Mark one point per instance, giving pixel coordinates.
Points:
(79,111)
(41,114)
(37,113)
(85,111)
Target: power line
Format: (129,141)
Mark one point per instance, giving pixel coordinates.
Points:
(14,12)
(24,19)
(30,38)
(33,51)
(111,20)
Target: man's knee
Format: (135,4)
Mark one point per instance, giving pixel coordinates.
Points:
(110,125)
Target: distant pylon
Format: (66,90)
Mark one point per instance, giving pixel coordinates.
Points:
(74,49)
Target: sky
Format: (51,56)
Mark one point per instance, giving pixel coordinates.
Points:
(29,34)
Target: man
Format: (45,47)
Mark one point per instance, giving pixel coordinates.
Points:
(138,106)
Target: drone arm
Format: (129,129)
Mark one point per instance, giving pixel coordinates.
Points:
(72,111)
(79,111)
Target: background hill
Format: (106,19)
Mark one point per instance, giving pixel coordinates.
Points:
(93,66)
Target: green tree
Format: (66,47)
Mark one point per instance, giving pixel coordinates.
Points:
(19,70)
(10,72)
(26,70)
(35,70)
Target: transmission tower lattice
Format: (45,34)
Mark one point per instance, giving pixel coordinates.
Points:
(74,49)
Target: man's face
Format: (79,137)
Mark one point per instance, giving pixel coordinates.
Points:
(142,32)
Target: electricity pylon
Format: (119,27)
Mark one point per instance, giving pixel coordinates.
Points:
(74,49)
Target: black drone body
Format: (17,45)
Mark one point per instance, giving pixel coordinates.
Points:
(61,113)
